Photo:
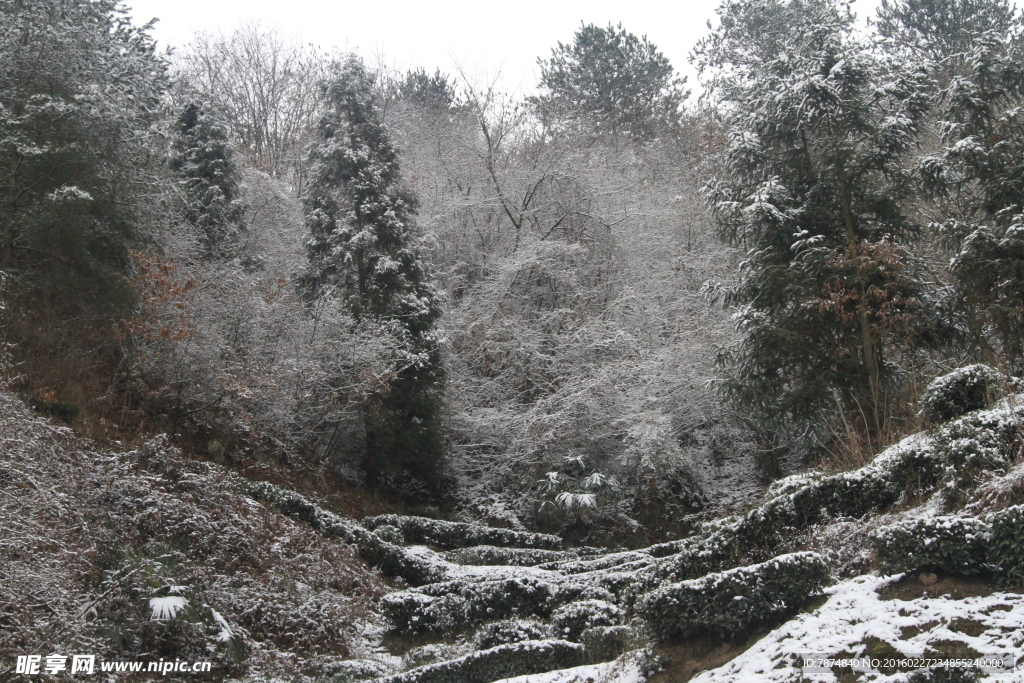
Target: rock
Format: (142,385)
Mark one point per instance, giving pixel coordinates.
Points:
(928,579)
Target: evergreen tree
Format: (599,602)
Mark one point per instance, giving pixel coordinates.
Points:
(432,92)
(362,250)
(941,29)
(202,156)
(819,130)
(982,170)
(79,90)
(611,81)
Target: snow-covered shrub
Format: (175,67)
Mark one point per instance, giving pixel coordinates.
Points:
(391,559)
(483,555)
(452,535)
(389,534)
(576,566)
(510,631)
(981,441)
(605,643)
(504,661)
(353,670)
(959,392)
(431,654)
(728,603)
(571,620)
(945,544)
(1006,548)
(460,604)
(798,503)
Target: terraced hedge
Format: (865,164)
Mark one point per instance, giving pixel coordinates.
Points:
(391,559)
(452,535)
(728,603)
(570,621)
(946,544)
(504,661)
(489,555)
(1006,551)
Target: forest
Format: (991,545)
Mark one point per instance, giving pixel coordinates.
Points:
(325,371)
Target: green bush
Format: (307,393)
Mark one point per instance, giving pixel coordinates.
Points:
(959,392)
(504,661)
(391,559)
(460,604)
(978,442)
(605,643)
(1006,548)
(946,545)
(570,621)
(452,535)
(485,555)
(728,603)
(353,670)
(510,631)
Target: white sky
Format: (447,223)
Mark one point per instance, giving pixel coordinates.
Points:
(482,37)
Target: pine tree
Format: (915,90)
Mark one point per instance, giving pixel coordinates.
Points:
(941,29)
(982,170)
(362,249)
(202,156)
(80,88)
(819,131)
(611,81)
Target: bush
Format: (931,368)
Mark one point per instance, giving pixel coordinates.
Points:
(947,545)
(484,555)
(605,643)
(570,621)
(979,442)
(459,604)
(959,392)
(504,661)
(452,535)
(728,603)
(353,670)
(1006,548)
(391,559)
(510,631)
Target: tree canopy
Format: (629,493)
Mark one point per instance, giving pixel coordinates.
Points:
(612,81)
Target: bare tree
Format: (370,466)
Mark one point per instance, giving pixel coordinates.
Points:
(265,85)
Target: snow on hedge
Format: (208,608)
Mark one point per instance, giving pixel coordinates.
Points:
(489,555)
(391,559)
(728,603)
(503,661)
(452,535)
(854,613)
(959,392)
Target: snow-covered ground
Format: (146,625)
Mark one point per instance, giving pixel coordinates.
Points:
(855,613)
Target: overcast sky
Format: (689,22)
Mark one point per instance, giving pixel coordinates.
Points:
(481,36)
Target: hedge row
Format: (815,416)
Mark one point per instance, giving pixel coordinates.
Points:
(570,621)
(728,603)
(946,544)
(798,504)
(504,661)
(391,559)
(510,631)
(452,535)
(463,603)
(957,545)
(489,555)
(577,566)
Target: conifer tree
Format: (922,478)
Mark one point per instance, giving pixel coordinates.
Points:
(79,90)
(982,170)
(611,81)
(202,156)
(819,131)
(362,249)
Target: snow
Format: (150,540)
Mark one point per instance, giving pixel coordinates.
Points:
(168,607)
(855,612)
(622,670)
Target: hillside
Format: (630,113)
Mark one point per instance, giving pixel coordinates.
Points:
(145,554)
